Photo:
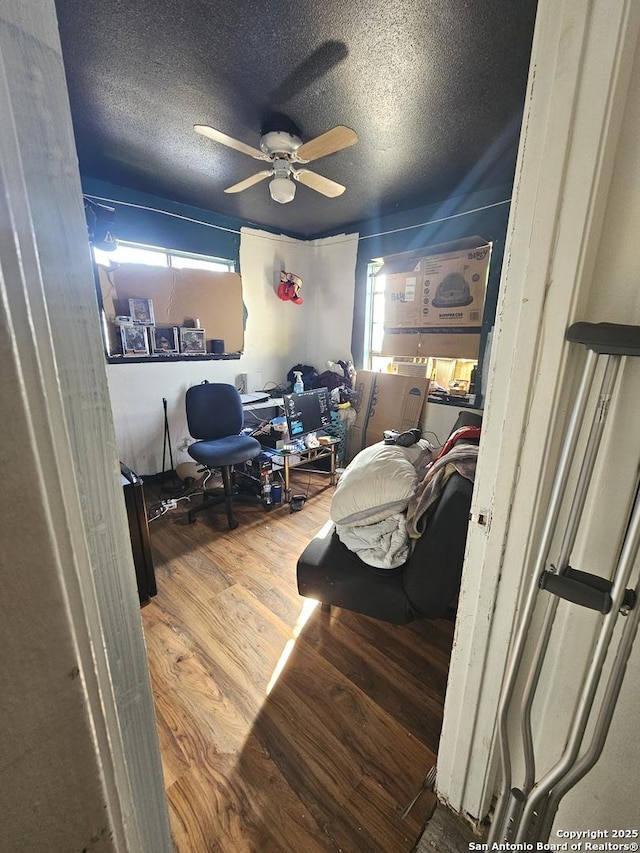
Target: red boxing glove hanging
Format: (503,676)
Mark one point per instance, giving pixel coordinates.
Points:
(289,288)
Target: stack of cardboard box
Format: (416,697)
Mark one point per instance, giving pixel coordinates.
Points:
(434,300)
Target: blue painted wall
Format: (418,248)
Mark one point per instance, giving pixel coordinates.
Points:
(178,226)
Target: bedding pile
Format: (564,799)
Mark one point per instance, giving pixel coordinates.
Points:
(383,498)
(370,501)
(460,459)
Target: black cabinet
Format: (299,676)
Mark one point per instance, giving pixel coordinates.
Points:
(133,490)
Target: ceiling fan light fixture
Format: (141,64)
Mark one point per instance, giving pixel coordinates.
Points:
(282,190)
(282,150)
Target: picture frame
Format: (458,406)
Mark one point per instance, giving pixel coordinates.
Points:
(192,341)
(141,311)
(134,339)
(164,339)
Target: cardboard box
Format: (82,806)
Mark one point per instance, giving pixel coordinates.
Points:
(443,286)
(439,343)
(384,401)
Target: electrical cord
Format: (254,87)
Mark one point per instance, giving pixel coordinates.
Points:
(274,389)
(429,432)
(163,507)
(260,422)
(208,475)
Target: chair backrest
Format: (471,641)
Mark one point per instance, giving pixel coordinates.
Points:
(214,410)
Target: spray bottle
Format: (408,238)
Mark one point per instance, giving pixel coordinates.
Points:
(298,384)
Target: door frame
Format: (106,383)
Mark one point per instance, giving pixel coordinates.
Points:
(579,75)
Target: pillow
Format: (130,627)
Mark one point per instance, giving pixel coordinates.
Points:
(378,483)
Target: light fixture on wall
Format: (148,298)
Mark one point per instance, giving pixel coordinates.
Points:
(282,190)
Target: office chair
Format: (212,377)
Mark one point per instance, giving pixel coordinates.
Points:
(214,415)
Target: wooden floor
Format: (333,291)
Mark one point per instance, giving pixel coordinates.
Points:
(284,728)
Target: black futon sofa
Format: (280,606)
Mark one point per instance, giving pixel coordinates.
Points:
(425,587)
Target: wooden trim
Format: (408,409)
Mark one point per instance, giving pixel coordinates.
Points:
(75,626)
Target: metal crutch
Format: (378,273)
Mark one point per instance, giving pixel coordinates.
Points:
(531,807)
(616,676)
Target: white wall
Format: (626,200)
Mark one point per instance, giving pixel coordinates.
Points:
(330,294)
(439,419)
(277,336)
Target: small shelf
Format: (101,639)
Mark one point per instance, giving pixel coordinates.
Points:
(164,359)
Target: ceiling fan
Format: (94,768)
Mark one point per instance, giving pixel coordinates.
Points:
(282,150)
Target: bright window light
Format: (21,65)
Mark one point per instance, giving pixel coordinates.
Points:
(126,254)
(135,253)
(198,264)
(374,314)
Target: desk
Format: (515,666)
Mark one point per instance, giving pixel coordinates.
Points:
(308,454)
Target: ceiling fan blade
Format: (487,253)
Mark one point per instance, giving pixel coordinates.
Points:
(230,142)
(318,183)
(327,143)
(249,182)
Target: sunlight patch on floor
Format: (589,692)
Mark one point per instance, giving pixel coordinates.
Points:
(307,609)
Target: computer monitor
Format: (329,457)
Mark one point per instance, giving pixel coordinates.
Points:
(307,411)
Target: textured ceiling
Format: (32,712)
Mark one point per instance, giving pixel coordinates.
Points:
(433,88)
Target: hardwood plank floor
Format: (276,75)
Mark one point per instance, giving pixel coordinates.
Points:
(281,727)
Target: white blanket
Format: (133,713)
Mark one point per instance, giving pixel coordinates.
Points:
(371,498)
(378,482)
(384,544)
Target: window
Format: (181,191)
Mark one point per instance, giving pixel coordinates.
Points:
(136,253)
(219,323)
(451,376)
(374,323)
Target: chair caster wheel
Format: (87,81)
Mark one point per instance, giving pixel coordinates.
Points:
(192,519)
(233,524)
